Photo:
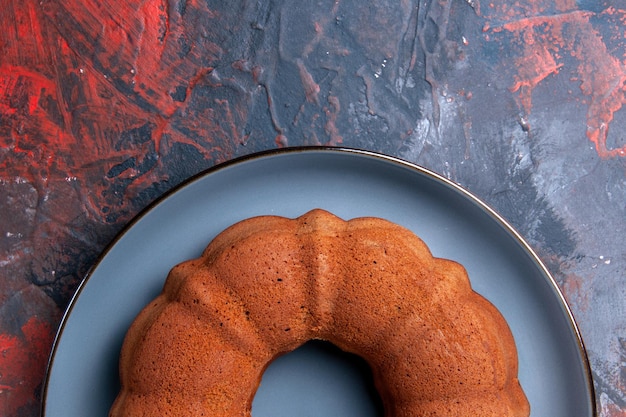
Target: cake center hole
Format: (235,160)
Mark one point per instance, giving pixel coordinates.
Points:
(316,380)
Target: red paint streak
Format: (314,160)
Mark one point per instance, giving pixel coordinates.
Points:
(311,88)
(27,24)
(613,410)
(23,29)
(547,39)
(23,361)
(20,90)
(609,409)
(141,47)
(574,291)
(281,141)
(77,75)
(534,67)
(331,123)
(25,121)
(157,73)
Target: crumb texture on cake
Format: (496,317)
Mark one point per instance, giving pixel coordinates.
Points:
(269,284)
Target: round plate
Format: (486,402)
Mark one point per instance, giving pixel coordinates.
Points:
(82,378)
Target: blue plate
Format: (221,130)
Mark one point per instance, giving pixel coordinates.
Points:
(554,371)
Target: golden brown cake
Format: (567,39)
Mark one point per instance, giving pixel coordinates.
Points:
(267,285)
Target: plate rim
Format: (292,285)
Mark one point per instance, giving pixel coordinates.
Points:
(339,150)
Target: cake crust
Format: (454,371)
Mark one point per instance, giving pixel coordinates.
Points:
(269,284)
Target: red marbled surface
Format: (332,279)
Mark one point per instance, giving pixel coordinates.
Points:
(105,105)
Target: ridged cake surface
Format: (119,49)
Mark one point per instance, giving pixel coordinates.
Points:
(267,285)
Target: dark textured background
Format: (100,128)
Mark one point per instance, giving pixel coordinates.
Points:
(105,105)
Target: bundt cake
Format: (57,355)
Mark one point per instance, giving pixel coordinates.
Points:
(267,285)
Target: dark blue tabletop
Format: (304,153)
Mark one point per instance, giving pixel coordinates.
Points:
(106,105)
